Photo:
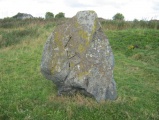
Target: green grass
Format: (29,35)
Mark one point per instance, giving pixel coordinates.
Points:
(26,94)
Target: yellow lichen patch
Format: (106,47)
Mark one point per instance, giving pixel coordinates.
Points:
(91,11)
(83,34)
(57,39)
(72,65)
(85,39)
(94,26)
(81,74)
(53,66)
(76,24)
(81,48)
(53,70)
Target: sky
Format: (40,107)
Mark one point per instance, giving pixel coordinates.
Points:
(131,9)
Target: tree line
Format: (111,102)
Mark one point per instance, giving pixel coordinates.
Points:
(50,15)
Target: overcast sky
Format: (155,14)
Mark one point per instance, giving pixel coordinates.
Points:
(131,9)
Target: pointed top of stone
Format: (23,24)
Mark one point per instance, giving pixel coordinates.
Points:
(87,19)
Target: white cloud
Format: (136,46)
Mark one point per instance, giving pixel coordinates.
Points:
(140,9)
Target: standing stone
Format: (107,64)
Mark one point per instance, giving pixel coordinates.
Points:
(77,57)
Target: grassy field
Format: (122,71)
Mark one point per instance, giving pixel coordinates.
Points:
(26,95)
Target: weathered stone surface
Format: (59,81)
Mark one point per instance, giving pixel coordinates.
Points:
(77,57)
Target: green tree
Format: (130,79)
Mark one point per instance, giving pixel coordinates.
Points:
(60,15)
(118,16)
(49,15)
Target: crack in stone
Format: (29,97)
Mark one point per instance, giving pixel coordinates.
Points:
(68,41)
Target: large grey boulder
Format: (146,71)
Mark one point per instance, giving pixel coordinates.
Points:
(77,57)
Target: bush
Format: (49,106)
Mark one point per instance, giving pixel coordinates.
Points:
(49,15)
(153,24)
(118,16)
(16,36)
(60,15)
(116,25)
(143,23)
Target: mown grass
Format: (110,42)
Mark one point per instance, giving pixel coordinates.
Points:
(26,94)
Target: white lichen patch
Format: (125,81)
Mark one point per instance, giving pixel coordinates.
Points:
(78,66)
(56,49)
(57,68)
